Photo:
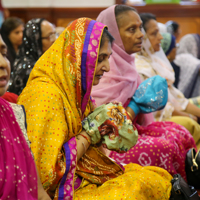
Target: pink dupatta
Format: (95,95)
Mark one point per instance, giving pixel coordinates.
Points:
(18,177)
(121,82)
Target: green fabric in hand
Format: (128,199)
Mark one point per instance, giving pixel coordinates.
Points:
(110,125)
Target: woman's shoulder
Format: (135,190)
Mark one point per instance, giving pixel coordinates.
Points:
(142,61)
(37,91)
(17,109)
(144,66)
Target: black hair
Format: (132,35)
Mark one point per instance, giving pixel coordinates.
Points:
(7,27)
(10,24)
(146,17)
(106,35)
(119,9)
(172,27)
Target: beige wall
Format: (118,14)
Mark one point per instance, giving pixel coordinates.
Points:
(61,12)
(57,3)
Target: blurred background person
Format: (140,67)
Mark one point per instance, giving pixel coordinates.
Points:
(168,44)
(186,66)
(12,34)
(39,35)
(188,59)
(173,28)
(190,44)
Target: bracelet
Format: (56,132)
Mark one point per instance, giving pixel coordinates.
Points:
(190,116)
(133,105)
(129,114)
(84,146)
(85,138)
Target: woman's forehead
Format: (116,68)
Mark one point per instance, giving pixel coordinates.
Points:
(129,18)
(152,25)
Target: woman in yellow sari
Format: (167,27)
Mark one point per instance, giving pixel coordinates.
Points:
(57,100)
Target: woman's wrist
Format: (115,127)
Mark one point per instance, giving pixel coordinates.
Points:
(134,107)
(131,113)
(82,143)
(84,135)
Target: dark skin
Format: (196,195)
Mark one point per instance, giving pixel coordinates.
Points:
(130,26)
(153,34)
(4,68)
(103,63)
(130,29)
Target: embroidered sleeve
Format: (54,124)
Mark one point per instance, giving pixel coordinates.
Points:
(21,119)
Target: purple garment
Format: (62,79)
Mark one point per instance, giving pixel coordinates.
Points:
(66,185)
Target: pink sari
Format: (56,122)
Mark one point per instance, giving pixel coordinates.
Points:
(18,177)
(162,144)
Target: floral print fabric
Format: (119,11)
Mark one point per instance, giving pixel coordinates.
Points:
(111,125)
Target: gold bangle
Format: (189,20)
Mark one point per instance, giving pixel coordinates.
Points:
(85,138)
(129,114)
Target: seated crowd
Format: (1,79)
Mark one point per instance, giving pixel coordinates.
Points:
(102,111)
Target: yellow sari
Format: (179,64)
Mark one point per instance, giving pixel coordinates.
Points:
(56,99)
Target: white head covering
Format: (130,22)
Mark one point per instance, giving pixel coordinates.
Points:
(158,61)
(188,60)
(162,28)
(188,45)
(150,63)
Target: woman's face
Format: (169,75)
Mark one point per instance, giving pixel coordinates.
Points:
(4,68)
(16,35)
(48,35)
(103,62)
(130,26)
(153,34)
